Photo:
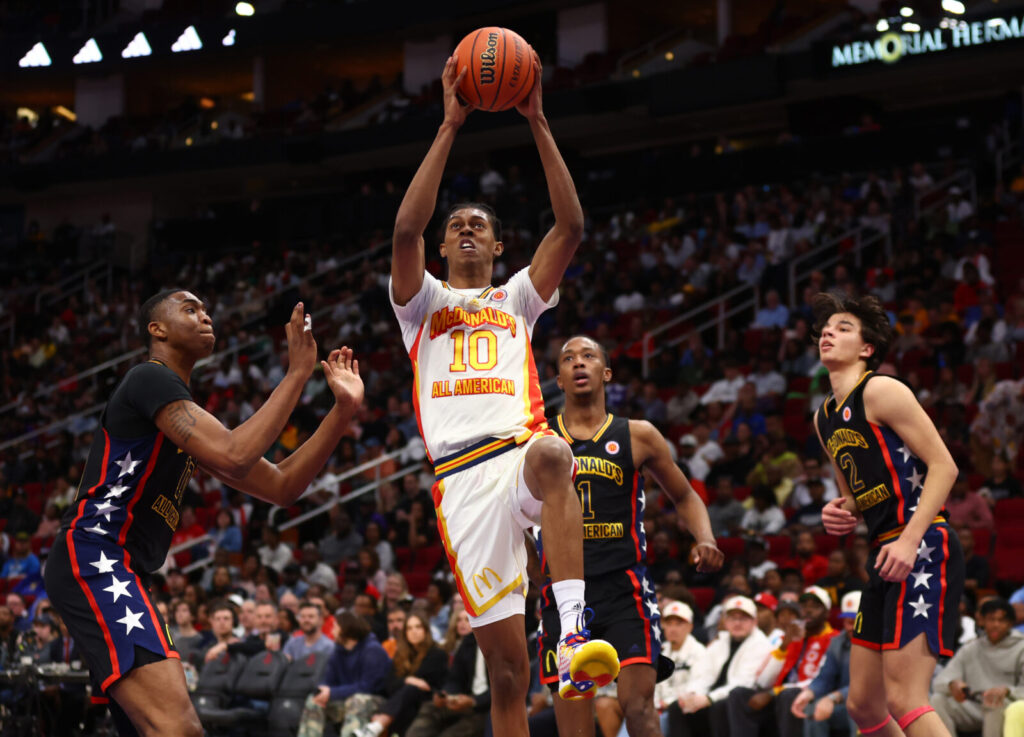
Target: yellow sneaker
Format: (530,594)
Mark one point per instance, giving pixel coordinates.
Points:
(584,665)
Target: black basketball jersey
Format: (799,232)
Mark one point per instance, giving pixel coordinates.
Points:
(885,477)
(611,491)
(134,477)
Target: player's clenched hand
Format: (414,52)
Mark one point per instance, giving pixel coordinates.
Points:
(342,374)
(301,346)
(838,521)
(896,560)
(707,557)
(455,111)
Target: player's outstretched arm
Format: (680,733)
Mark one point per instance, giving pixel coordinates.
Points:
(235,452)
(890,402)
(653,453)
(839,516)
(557,248)
(417,208)
(282,484)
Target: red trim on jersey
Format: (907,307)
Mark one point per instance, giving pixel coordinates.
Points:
(633,526)
(102,480)
(97,700)
(865,643)
(437,491)
(168,650)
(129,518)
(76,571)
(897,489)
(895,644)
(640,610)
(942,586)
(413,352)
(634,661)
(533,390)
(111,650)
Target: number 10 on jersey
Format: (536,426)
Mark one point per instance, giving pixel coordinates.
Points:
(479,350)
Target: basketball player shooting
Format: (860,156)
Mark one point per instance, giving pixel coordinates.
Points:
(499,468)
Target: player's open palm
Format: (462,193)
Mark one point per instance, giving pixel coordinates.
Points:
(342,374)
(531,106)
(896,560)
(301,345)
(836,519)
(454,109)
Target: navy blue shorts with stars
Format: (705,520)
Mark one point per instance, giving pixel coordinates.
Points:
(892,614)
(625,615)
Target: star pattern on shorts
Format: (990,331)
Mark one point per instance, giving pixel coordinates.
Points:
(127,465)
(920,606)
(96,530)
(921,579)
(924,552)
(916,480)
(130,620)
(116,491)
(103,507)
(118,588)
(905,451)
(104,564)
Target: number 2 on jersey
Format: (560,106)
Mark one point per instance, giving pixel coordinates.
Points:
(482,348)
(847,464)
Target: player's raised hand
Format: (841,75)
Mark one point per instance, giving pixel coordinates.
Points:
(531,106)
(455,111)
(895,560)
(301,345)
(707,557)
(342,374)
(838,521)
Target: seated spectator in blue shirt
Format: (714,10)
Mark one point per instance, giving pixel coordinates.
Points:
(225,532)
(22,562)
(774,314)
(310,639)
(353,680)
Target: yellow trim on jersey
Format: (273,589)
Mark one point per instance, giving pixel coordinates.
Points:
(897,531)
(455,463)
(859,382)
(463,584)
(482,294)
(597,436)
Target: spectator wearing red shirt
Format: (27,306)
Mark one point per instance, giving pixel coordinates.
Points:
(967,508)
(811,564)
(188,529)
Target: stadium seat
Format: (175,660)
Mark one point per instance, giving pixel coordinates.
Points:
(403,558)
(299,680)
(779,546)
(799,384)
(732,547)
(703,596)
(426,559)
(257,682)
(826,543)
(216,684)
(740,493)
(984,540)
(1007,510)
(1006,565)
(418,582)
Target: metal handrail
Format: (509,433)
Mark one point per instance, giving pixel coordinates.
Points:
(52,426)
(83,275)
(939,194)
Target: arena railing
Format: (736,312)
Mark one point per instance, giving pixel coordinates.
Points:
(74,283)
(938,196)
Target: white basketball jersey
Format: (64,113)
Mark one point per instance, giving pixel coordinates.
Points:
(473,371)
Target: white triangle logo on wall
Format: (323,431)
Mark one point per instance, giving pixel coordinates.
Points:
(36,57)
(89,53)
(139,46)
(187,41)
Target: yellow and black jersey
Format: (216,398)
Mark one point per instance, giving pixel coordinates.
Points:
(612,495)
(886,478)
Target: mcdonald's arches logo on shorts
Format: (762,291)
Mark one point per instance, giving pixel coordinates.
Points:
(484,578)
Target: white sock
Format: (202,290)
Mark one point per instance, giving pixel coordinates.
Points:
(569,597)
(373,728)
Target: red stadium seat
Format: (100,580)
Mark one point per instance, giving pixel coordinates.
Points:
(732,547)
(418,582)
(703,596)
(799,384)
(779,546)
(740,493)
(1006,566)
(426,559)
(1009,509)
(403,559)
(984,540)
(826,543)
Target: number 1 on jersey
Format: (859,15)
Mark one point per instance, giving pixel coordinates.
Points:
(585,501)
(482,350)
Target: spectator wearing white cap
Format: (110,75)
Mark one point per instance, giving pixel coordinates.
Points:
(822,704)
(789,668)
(682,649)
(730,661)
(699,467)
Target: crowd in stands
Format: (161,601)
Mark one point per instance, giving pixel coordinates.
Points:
(366,584)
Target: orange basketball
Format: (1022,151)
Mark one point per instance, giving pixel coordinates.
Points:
(500,68)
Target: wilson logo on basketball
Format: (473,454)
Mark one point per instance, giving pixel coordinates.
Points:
(487,57)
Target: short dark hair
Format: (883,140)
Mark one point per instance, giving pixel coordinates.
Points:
(149,308)
(604,351)
(875,328)
(352,627)
(997,604)
(492,216)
